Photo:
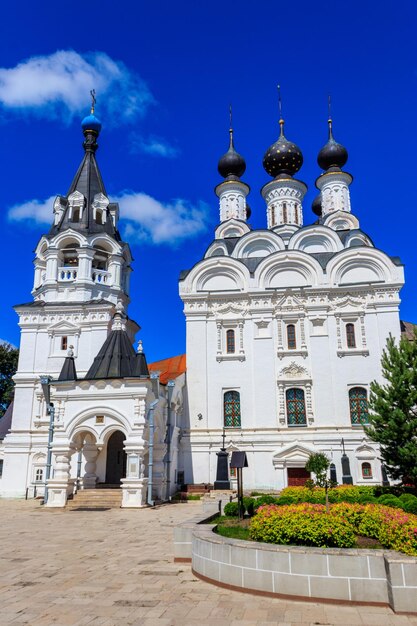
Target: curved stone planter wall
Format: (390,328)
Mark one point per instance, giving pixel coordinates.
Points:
(325,574)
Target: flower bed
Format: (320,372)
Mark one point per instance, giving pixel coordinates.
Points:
(309,525)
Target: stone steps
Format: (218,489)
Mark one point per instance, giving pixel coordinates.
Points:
(96,499)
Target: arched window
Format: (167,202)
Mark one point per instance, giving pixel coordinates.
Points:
(291,339)
(272,216)
(231,409)
(69,255)
(296,213)
(296,408)
(358,403)
(284,212)
(76,214)
(366,470)
(99,217)
(350,336)
(230,341)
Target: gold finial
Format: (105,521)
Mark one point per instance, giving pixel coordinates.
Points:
(281,119)
(230,126)
(93,100)
(329,120)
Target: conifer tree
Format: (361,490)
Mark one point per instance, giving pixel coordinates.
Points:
(8,365)
(393,410)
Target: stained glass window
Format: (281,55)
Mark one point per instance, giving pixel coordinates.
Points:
(350,336)
(358,402)
(232,409)
(366,470)
(230,341)
(296,408)
(291,340)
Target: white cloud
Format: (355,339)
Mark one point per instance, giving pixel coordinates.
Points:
(161,223)
(154,146)
(60,84)
(33,212)
(146,219)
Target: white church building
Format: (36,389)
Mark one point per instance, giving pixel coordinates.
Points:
(286,326)
(285,330)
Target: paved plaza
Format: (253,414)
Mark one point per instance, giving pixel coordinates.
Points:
(111,567)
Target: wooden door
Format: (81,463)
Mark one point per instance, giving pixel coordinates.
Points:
(297,476)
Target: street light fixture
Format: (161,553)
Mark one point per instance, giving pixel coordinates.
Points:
(50,409)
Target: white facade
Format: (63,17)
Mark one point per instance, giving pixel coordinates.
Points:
(290,308)
(81,294)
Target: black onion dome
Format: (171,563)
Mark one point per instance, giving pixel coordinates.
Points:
(316,205)
(283,157)
(333,154)
(231,164)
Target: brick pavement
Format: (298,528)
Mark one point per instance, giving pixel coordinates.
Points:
(102,568)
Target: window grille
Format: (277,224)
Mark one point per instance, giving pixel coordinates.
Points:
(350,336)
(296,408)
(358,402)
(291,338)
(366,470)
(232,409)
(230,341)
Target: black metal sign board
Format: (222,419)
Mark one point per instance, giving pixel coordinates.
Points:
(238,460)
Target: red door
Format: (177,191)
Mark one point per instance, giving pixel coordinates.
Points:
(297,476)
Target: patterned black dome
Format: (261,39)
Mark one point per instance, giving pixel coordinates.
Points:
(231,164)
(283,157)
(333,154)
(316,205)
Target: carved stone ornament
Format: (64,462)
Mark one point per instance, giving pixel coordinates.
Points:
(293,371)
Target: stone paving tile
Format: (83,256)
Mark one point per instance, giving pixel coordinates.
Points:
(108,568)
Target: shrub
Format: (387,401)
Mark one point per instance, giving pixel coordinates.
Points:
(231,509)
(390,500)
(367,499)
(305,524)
(283,500)
(310,525)
(266,499)
(410,506)
(249,504)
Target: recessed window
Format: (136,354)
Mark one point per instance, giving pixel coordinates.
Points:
(358,403)
(39,475)
(64,343)
(99,217)
(1,468)
(291,338)
(366,470)
(350,336)
(272,216)
(231,409)
(230,342)
(76,214)
(284,212)
(296,407)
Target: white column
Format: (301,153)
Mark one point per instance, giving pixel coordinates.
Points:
(334,187)
(115,268)
(232,195)
(284,199)
(135,485)
(51,256)
(85,264)
(90,452)
(58,486)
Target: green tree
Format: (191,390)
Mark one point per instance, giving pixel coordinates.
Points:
(319,464)
(8,367)
(393,410)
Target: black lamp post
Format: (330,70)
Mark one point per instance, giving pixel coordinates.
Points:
(346,475)
(50,409)
(222,476)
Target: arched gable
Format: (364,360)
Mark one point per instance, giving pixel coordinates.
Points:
(288,269)
(313,239)
(217,274)
(361,265)
(258,244)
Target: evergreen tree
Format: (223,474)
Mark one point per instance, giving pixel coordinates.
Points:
(393,410)
(8,367)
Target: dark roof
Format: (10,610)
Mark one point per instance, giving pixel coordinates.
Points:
(118,359)
(89,183)
(408,330)
(6,421)
(42,303)
(68,371)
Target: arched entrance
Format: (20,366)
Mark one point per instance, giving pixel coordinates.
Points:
(116,459)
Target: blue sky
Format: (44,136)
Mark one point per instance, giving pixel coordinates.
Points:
(164,74)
